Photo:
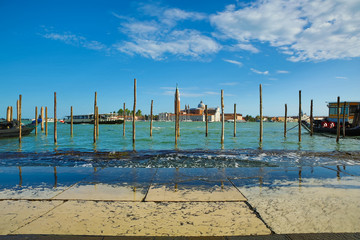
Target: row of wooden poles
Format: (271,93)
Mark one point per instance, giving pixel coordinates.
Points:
(177,118)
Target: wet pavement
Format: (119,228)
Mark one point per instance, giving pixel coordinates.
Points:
(179,201)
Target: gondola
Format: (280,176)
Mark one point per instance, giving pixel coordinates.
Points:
(11,129)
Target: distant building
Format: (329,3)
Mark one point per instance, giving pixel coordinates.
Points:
(193,114)
(230,117)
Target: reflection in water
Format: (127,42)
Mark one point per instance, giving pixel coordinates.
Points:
(338,172)
(20,177)
(55,177)
(299,146)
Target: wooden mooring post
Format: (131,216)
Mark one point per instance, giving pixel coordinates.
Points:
(261,115)
(124,115)
(338,121)
(55,120)
(234,119)
(285,120)
(151,117)
(71,122)
(343,122)
(46,121)
(206,121)
(176,114)
(222,117)
(97,121)
(134,111)
(36,120)
(42,118)
(17,110)
(299,119)
(8,114)
(95,131)
(311,119)
(20,128)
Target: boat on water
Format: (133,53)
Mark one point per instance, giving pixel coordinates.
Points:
(232,121)
(349,118)
(89,119)
(11,129)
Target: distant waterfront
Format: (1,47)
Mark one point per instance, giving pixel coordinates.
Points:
(192,137)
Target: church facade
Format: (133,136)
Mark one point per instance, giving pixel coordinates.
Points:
(193,114)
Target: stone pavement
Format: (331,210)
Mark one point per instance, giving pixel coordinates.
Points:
(70,202)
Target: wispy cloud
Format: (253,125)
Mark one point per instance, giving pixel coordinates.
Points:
(212,93)
(273,79)
(259,72)
(341,78)
(282,71)
(308,30)
(229,83)
(168,88)
(76,40)
(233,62)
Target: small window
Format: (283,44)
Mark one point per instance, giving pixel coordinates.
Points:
(342,110)
(353,109)
(332,111)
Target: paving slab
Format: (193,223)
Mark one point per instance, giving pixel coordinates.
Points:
(307,205)
(100,191)
(118,184)
(266,237)
(325,236)
(194,191)
(148,219)
(198,184)
(49,237)
(38,182)
(178,175)
(16,213)
(350,170)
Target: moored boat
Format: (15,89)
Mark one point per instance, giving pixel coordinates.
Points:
(349,118)
(89,119)
(12,129)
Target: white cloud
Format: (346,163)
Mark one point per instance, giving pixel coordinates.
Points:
(159,37)
(233,62)
(259,72)
(76,40)
(247,47)
(170,16)
(308,30)
(342,78)
(188,43)
(282,71)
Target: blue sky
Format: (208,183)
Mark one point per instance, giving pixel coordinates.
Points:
(78,47)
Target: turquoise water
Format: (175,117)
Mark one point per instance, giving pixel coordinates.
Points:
(192,137)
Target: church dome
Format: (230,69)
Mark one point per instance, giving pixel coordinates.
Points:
(201,105)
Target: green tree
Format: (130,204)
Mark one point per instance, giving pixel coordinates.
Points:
(138,113)
(127,112)
(249,118)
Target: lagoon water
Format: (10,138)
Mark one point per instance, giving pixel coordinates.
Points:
(193,150)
